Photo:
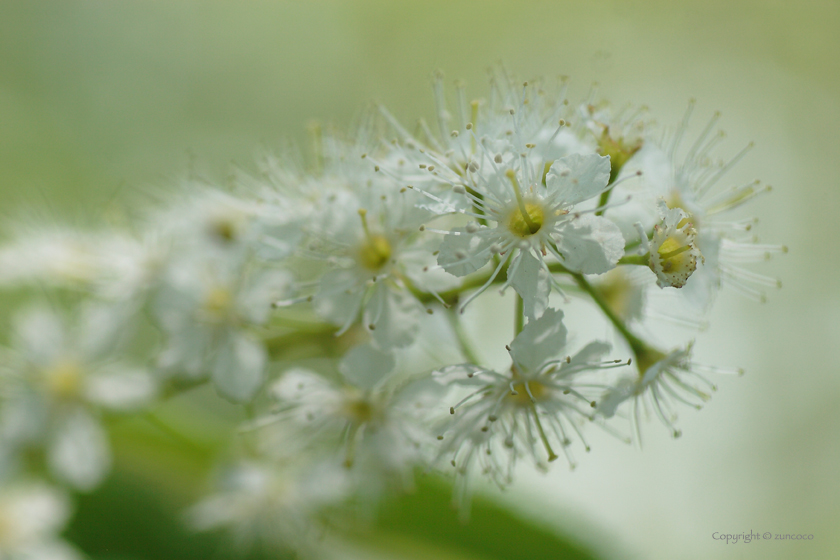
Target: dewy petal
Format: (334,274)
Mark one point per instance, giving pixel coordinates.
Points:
(539,341)
(576,178)
(394,315)
(590,244)
(239,368)
(79,451)
(531,282)
(463,253)
(364,366)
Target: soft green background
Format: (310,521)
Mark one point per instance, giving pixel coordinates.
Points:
(100,100)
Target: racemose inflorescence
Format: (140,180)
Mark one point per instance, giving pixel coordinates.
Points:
(327,294)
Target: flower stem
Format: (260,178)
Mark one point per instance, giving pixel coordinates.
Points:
(461,335)
(636,345)
(643,260)
(518,316)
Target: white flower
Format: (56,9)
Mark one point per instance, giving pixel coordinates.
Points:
(689,181)
(673,249)
(205,219)
(529,411)
(531,221)
(32,515)
(208,309)
(260,503)
(373,418)
(522,177)
(371,240)
(664,381)
(58,381)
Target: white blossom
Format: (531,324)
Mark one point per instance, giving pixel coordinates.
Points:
(539,405)
(664,381)
(260,503)
(58,381)
(209,309)
(32,515)
(673,248)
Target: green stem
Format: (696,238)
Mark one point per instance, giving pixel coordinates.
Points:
(636,345)
(643,260)
(605,197)
(518,316)
(461,336)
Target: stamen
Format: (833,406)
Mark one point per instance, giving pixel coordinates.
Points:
(511,175)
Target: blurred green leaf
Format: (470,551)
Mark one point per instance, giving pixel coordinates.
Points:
(492,532)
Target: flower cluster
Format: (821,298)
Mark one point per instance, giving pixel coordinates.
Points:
(307,293)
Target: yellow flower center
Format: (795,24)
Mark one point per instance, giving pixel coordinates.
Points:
(523,394)
(64,379)
(674,256)
(218,302)
(374,252)
(517,223)
(619,149)
(358,410)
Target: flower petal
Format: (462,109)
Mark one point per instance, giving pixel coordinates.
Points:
(576,178)
(538,342)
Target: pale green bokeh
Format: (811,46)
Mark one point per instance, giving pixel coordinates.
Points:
(100,100)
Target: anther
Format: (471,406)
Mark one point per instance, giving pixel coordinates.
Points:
(498,158)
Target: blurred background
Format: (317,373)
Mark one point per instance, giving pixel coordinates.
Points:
(100,101)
